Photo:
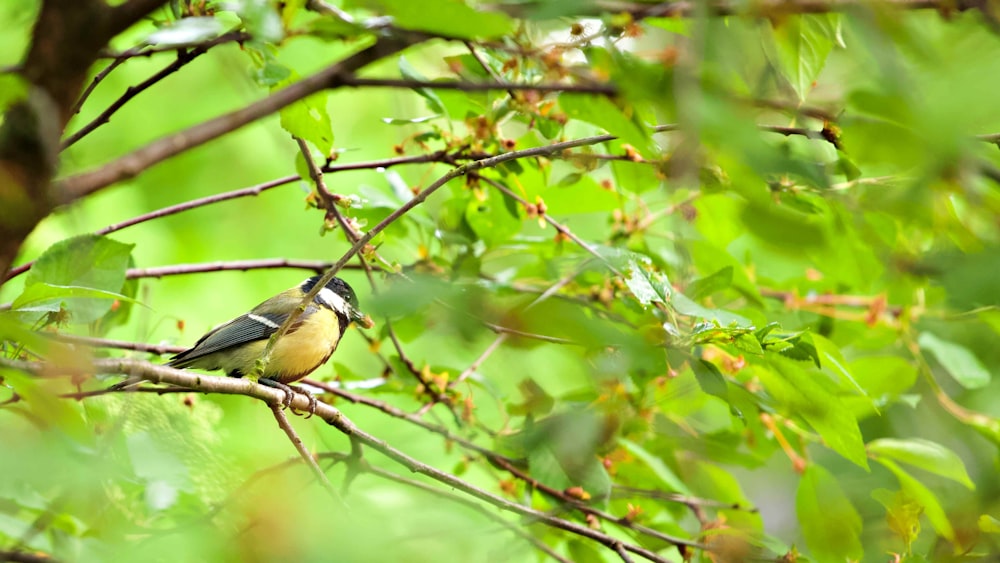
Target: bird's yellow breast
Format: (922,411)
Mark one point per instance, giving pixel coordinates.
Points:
(298,353)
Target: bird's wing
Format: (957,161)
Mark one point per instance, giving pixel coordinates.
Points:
(241,330)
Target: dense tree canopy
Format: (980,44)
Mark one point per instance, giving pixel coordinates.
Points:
(670,281)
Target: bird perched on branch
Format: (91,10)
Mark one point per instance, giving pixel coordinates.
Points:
(238,346)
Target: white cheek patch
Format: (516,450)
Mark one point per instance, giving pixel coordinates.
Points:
(336,302)
(262,320)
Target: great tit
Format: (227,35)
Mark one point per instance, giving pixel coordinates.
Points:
(236,346)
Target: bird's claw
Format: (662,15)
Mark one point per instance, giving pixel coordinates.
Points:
(288,391)
(290,395)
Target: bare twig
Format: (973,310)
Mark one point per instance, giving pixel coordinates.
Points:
(183,58)
(160,349)
(356,81)
(286,426)
(136,162)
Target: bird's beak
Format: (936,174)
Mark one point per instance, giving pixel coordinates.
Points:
(362,319)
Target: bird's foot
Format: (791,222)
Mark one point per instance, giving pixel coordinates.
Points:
(290,395)
(288,391)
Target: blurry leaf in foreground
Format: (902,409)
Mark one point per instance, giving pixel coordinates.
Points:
(830,523)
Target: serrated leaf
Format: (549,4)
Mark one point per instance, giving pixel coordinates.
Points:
(957,360)
(87,261)
(307,118)
(44,297)
(926,455)
(830,523)
(645,283)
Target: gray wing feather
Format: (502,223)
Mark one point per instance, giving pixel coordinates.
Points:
(241,330)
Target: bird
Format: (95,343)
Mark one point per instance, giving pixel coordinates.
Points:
(236,347)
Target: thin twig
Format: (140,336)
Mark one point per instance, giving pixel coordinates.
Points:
(316,266)
(93,84)
(286,426)
(357,81)
(159,349)
(183,58)
(136,162)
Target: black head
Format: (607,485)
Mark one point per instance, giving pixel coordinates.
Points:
(343,300)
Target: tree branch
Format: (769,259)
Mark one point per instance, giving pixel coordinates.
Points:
(242,386)
(136,162)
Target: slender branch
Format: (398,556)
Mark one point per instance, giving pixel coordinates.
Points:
(286,426)
(240,265)
(486,66)
(419,198)
(452,497)
(243,386)
(136,162)
(356,81)
(183,58)
(174,209)
(93,84)
(160,349)
(501,462)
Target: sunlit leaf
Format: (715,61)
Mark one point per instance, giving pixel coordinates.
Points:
(924,454)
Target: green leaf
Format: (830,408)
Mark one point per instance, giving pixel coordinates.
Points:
(804,42)
(748,343)
(492,220)
(829,522)
(307,118)
(988,524)
(710,379)
(922,495)
(810,394)
(708,285)
(666,475)
(924,454)
(685,306)
(831,359)
(602,112)
(452,18)
(647,284)
(87,261)
(434,102)
(957,360)
(44,297)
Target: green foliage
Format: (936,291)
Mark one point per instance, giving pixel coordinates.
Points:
(767,327)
